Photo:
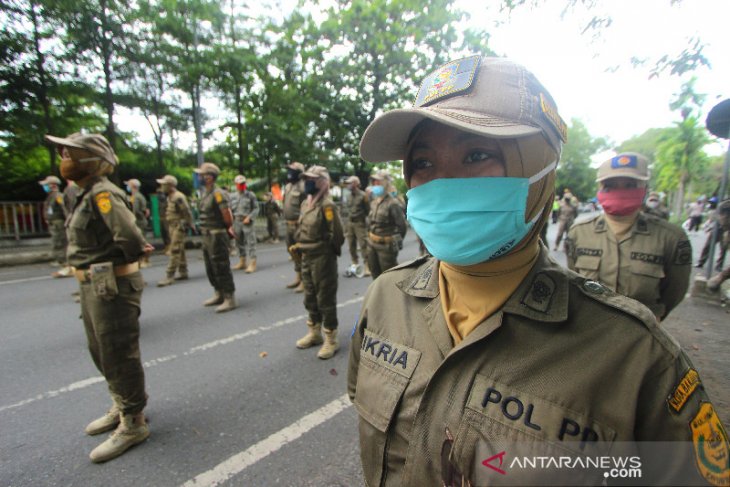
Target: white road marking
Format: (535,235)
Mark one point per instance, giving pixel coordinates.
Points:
(240,461)
(27,279)
(155,362)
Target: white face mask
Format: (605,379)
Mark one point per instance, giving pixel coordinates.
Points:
(652,204)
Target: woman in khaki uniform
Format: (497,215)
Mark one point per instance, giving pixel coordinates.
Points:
(386,226)
(319,240)
(105,246)
(489,351)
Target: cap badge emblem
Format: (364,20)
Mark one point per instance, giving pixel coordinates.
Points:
(450,79)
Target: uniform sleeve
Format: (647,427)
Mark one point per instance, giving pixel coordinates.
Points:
(120,221)
(356,344)
(676,274)
(184,210)
(333,223)
(399,219)
(222,199)
(674,409)
(255,205)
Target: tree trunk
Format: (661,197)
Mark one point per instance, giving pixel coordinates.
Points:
(43,87)
(239,128)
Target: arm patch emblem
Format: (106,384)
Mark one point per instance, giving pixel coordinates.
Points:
(683,256)
(59,200)
(710,445)
(218,197)
(689,383)
(329,214)
(104,202)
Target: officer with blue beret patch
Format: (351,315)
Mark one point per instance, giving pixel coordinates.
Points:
(489,349)
(633,253)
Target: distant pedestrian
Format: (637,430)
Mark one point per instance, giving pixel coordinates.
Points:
(141,212)
(272,210)
(245,208)
(654,207)
(358,207)
(696,209)
(319,240)
(105,246)
(717,226)
(566,215)
(293,197)
(387,226)
(216,223)
(180,220)
(54,214)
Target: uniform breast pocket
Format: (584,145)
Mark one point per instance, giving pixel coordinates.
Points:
(510,437)
(588,265)
(645,280)
(79,228)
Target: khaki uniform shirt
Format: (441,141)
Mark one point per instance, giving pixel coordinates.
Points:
(102,227)
(139,208)
(386,217)
(651,264)
(244,205)
(659,212)
(320,228)
(358,206)
(293,198)
(210,205)
(566,364)
(53,208)
(568,211)
(178,210)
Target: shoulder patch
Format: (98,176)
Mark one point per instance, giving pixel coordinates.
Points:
(710,445)
(59,199)
(684,253)
(218,197)
(689,383)
(329,213)
(103,202)
(541,292)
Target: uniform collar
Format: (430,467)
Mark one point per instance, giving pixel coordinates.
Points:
(542,295)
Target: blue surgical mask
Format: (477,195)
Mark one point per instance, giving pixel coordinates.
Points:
(484,222)
(377,191)
(129,189)
(47,188)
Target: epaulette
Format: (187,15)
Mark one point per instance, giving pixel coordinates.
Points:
(599,292)
(582,220)
(411,263)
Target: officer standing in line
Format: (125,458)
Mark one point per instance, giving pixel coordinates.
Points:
(654,206)
(387,226)
(54,214)
(273,212)
(294,196)
(141,211)
(358,207)
(490,345)
(319,241)
(179,219)
(566,215)
(216,223)
(105,246)
(642,257)
(245,208)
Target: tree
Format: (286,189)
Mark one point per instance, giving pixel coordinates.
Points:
(575,171)
(680,155)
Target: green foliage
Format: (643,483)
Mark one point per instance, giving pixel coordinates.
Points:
(575,171)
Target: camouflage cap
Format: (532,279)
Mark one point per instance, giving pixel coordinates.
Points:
(297,166)
(654,196)
(240,179)
(317,172)
(380,175)
(207,168)
(94,143)
(50,180)
(487,96)
(625,165)
(167,179)
(133,182)
(352,180)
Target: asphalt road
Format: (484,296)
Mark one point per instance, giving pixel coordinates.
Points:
(232,401)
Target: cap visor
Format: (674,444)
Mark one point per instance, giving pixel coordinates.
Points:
(386,139)
(64,142)
(620,174)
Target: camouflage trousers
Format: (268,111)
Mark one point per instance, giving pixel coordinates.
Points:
(563,227)
(272,226)
(381,257)
(217,261)
(59,242)
(112,334)
(245,238)
(319,275)
(357,236)
(178,261)
(291,230)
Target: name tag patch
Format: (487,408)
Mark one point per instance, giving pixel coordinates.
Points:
(650,258)
(389,354)
(689,383)
(534,415)
(591,252)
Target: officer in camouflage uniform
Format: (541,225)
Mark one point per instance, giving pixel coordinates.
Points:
(387,226)
(216,223)
(179,219)
(640,256)
(566,215)
(245,208)
(654,207)
(293,198)
(490,346)
(273,212)
(105,246)
(54,213)
(319,241)
(358,207)
(141,211)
